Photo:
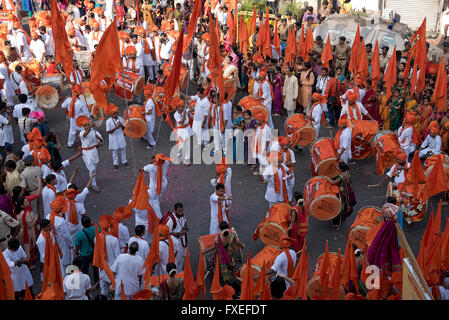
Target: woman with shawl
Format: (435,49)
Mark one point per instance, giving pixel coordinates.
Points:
(347,194)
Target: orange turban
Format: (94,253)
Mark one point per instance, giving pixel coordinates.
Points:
(206,37)
(434,127)
(105,222)
(286,242)
(44,156)
(259,116)
(400,155)
(411,118)
(161,156)
(164,231)
(262,74)
(258,59)
(159,91)
(34,34)
(76,90)
(112,108)
(72,33)
(148,90)
(81,121)
(59,204)
(343,121)
(351,96)
(318,97)
(95,24)
(139,30)
(123,35)
(177,102)
(130,50)
(120,214)
(283,141)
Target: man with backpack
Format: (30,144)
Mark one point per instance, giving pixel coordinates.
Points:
(176,221)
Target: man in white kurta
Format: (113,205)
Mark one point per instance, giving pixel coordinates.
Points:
(79,207)
(48,194)
(280,265)
(113,251)
(227,181)
(37,47)
(431,145)
(183,132)
(315,117)
(40,243)
(144,248)
(177,223)
(354,109)
(21,43)
(406,133)
(47,36)
(16,259)
(7,93)
(80,110)
(218,199)
(262,90)
(160,163)
(218,120)
(150,117)
(200,117)
(260,140)
(128,270)
(269,176)
(114,128)
(344,148)
(290,92)
(90,139)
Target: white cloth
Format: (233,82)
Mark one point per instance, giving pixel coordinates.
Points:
(48,195)
(117,138)
(127,268)
(400,173)
(290,91)
(346,110)
(20,275)
(201,110)
(432,145)
(345,142)
(164,254)
(64,239)
(405,139)
(280,265)
(75,286)
(166,49)
(227,181)
(214,217)
(90,157)
(144,248)
(113,251)
(123,236)
(177,243)
(265,96)
(317,111)
(80,211)
(265,137)
(37,48)
(7,91)
(268,175)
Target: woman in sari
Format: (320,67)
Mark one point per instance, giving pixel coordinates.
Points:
(370,101)
(384,109)
(171,288)
(410,103)
(230,71)
(278,83)
(396,110)
(347,195)
(425,112)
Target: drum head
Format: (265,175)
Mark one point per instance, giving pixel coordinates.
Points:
(325,207)
(271,233)
(248,101)
(328,168)
(138,86)
(306,136)
(296,120)
(379,135)
(261,109)
(47,97)
(230,89)
(135,128)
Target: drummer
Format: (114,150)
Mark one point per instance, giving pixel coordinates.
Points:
(90,140)
(316,116)
(264,91)
(77,75)
(397,171)
(343,142)
(407,134)
(354,109)
(288,159)
(285,262)
(432,143)
(114,128)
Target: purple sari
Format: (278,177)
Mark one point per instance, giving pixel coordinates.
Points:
(278,83)
(384,251)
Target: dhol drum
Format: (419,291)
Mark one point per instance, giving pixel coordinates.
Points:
(362,133)
(248,101)
(135,125)
(98,114)
(47,97)
(206,245)
(385,145)
(302,132)
(323,158)
(414,208)
(52,79)
(82,57)
(274,226)
(321,198)
(367,218)
(265,256)
(314,289)
(128,85)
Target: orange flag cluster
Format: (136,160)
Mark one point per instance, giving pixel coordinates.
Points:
(196,13)
(215,61)
(419,53)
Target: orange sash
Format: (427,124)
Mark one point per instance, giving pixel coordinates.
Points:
(159,177)
(72,106)
(95,35)
(220,210)
(291,265)
(11,4)
(256,142)
(28,86)
(323,118)
(277,183)
(260,90)
(133,65)
(415,137)
(213,108)
(359,116)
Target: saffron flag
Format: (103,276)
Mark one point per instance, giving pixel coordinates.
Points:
(196,13)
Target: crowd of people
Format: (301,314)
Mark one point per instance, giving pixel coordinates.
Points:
(276,62)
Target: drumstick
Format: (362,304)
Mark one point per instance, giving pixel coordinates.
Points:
(372,185)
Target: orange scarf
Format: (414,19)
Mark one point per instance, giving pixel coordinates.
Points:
(73,217)
(258,140)
(133,65)
(359,116)
(220,210)
(159,176)
(48,238)
(290,263)
(171,250)
(52,187)
(260,90)
(73,73)
(323,118)
(122,50)
(72,106)
(213,108)
(337,139)
(277,182)
(28,86)
(288,159)
(415,137)
(146,47)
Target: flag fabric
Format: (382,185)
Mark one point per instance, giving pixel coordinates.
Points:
(231,25)
(349,267)
(216,288)
(243,37)
(172,82)
(193,20)
(440,92)
(336,285)
(108,49)
(375,66)
(63,48)
(52,288)
(325,269)
(363,68)
(445,248)
(277,40)
(100,258)
(252,25)
(200,282)
(309,43)
(415,174)
(390,75)
(190,286)
(267,51)
(215,61)
(436,181)
(153,257)
(327,53)
(354,60)
(5,280)
(301,47)
(248,281)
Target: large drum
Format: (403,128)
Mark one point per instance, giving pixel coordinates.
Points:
(321,198)
(266,256)
(313,286)
(275,225)
(362,133)
(53,80)
(83,58)
(248,101)
(47,97)
(33,68)
(323,158)
(367,218)
(385,145)
(414,209)
(135,125)
(128,85)
(302,132)
(206,245)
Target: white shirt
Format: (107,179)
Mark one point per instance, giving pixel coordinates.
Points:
(166,49)
(61,179)
(151,169)
(150,106)
(270,193)
(280,265)
(265,137)
(76,285)
(22,44)
(17,112)
(64,239)
(88,141)
(405,136)
(266,92)
(433,144)
(400,176)
(214,219)
(37,48)
(80,211)
(127,268)
(20,275)
(123,236)
(345,110)
(144,248)
(345,140)
(227,181)
(48,195)
(117,138)
(80,108)
(49,42)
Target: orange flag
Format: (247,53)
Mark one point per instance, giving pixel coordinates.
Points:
(349,268)
(261,40)
(248,281)
(355,52)
(309,43)
(243,37)
(421,31)
(193,20)
(28,295)
(252,25)
(436,181)
(172,82)
(436,227)
(336,285)
(215,61)
(426,243)
(327,53)
(440,93)
(375,67)
(100,258)
(288,49)
(108,50)
(200,276)
(277,40)
(390,75)
(415,174)
(267,51)
(5,280)
(420,55)
(190,286)
(140,201)
(301,47)
(299,290)
(363,69)
(231,24)
(445,248)
(216,287)
(325,269)
(153,257)
(63,49)
(52,284)
(265,293)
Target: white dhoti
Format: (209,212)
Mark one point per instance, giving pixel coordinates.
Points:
(90,158)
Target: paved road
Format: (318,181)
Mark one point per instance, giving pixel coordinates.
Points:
(191,186)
